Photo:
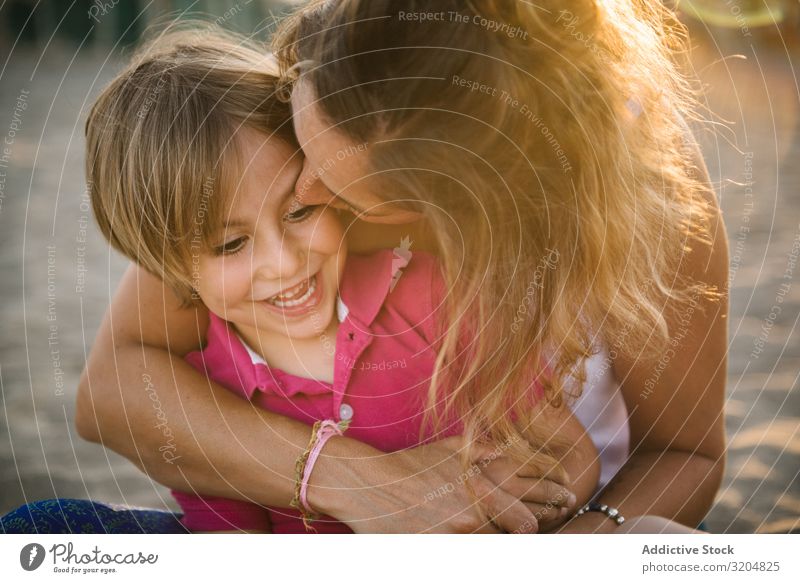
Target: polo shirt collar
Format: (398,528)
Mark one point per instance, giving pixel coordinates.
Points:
(367,282)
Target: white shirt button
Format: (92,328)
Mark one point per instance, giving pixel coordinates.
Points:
(345,412)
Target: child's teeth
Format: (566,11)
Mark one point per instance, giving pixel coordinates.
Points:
(292,293)
(287,300)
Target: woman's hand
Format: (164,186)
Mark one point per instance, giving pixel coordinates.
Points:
(550,502)
(426,489)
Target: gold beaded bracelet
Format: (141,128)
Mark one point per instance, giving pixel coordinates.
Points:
(299,470)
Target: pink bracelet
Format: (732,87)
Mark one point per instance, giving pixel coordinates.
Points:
(327,429)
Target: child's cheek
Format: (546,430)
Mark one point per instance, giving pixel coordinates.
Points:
(236,280)
(328,234)
(222,283)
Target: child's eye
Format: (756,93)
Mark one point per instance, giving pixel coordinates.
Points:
(231,247)
(301,214)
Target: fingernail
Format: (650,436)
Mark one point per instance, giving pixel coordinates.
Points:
(572,500)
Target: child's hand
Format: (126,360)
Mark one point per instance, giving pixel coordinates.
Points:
(551,502)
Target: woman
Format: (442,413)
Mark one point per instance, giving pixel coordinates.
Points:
(514,133)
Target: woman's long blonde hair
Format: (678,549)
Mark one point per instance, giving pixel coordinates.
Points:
(546,144)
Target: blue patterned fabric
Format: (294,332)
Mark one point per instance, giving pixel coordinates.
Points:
(69,516)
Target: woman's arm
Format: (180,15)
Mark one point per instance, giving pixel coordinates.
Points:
(676,419)
(141,399)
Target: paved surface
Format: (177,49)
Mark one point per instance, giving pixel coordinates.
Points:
(755,164)
(55,287)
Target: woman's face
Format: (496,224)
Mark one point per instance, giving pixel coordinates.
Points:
(275,264)
(336,169)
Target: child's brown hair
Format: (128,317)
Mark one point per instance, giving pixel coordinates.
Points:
(161,147)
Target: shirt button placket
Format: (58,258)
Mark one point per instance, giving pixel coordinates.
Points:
(345,412)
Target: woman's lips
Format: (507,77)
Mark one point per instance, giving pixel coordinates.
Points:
(297,300)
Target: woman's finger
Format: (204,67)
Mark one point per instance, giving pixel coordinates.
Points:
(526,471)
(503,510)
(547,492)
(508,466)
(548,516)
(533,489)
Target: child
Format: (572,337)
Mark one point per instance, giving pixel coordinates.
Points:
(192,166)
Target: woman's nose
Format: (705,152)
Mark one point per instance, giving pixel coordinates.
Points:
(309,188)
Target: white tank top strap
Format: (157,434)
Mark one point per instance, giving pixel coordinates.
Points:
(602,411)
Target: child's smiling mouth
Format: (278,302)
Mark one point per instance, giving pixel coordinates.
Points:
(296,295)
(297,299)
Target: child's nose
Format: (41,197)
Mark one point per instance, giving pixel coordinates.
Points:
(282,259)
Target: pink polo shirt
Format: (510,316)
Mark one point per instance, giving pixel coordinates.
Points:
(384,361)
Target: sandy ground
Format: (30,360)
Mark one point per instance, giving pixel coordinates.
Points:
(59,276)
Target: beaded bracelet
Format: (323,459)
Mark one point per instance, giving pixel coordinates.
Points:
(320,434)
(612,513)
(299,470)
